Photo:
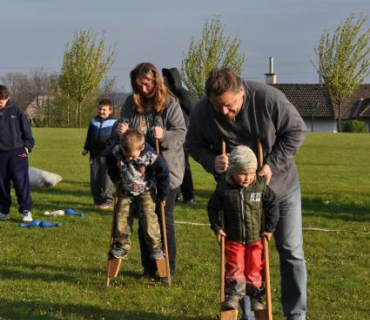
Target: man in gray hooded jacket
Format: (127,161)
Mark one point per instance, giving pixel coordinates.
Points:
(241,112)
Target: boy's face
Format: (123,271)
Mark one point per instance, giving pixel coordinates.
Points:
(244,178)
(104,111)
(132,155)
(3,103)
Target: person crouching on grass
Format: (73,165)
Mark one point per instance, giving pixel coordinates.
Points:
(241,197)
(141,176)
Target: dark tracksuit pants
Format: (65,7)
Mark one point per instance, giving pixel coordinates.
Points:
(100,184)
(14,168)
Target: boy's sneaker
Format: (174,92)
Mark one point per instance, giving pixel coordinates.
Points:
(118,253)
(156,254)
(27,216)
(231,302)
(103,206)
(4,216)
(256,304)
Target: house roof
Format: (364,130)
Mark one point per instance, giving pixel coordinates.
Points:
(309,99)
(305,97)
(357,106)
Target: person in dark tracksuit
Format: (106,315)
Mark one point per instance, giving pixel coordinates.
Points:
(187,102)
(16,142)
(100,130)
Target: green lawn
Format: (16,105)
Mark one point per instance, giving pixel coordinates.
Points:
(59,273)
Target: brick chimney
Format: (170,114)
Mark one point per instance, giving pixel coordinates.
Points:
(271,76)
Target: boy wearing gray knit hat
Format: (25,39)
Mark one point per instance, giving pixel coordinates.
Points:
(242,197)
(242,166)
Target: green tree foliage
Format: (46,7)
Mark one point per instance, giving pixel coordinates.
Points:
(214,50)
(84,66)
(344,60)
(355,126)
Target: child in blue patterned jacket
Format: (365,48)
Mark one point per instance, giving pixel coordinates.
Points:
(100,130)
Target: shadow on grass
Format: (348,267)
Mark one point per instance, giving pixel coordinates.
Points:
(83,191)
(28,310)
(335,211)
(47,267)
(35,275)
(38,271)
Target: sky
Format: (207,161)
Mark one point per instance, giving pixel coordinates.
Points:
(36,32)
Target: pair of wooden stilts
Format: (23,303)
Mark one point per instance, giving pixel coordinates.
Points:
(233,314)
(163,265)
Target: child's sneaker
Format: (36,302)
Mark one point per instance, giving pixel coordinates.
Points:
(118,253)
(256,304)
(103,206)
(27,216)
(156,254)
(4,216)
(231,302)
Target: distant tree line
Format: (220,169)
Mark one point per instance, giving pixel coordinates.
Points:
(52,107)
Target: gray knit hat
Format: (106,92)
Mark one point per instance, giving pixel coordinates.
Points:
(242,158)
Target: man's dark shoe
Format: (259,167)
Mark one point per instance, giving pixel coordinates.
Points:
(189,201)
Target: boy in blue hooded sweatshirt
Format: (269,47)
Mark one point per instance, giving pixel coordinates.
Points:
(100,130)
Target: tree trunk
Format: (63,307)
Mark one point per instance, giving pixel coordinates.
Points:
(339,117)
(80,113)
(68,116)
(76,114)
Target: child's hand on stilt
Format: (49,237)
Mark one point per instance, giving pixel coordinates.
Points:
(267,235)
(219,235)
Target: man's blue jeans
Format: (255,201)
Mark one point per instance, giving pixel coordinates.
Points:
(289,243)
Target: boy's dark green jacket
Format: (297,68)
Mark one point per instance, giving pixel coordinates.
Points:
(242,210)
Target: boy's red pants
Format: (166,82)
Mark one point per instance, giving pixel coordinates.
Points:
(244,263)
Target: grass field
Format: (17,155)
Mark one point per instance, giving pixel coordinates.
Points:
(59,273)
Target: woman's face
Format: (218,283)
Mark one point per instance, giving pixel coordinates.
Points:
(146,86)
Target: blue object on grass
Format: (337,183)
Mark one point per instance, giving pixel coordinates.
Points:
(41,224)
(71,212)
(47,224)
(34,223)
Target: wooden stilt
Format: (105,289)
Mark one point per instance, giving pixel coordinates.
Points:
(267,313)
(229,315)
(113,263)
